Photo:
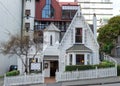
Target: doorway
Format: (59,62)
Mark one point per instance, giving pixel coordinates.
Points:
(53,67)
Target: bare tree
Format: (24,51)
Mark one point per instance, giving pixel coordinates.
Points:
(21,47)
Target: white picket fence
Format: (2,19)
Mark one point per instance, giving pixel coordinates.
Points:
(23,79)
(88,74)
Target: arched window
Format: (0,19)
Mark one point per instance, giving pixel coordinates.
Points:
(51,40)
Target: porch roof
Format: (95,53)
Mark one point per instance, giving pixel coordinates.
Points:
(78,48)
(49,57)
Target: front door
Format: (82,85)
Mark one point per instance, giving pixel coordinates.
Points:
(53,67)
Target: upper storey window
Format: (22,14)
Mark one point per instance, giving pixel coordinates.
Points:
(78,35)
(68,14)
(48,11)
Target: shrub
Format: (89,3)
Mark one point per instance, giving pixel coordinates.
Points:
(1,76)
(13,73)
(105,64)
(118,70)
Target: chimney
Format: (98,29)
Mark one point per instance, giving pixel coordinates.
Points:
(95,25)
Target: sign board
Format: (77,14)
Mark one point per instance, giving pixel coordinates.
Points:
(35,66)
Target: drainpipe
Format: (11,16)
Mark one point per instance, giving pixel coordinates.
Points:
(21,34)
(22,21)
(95,25)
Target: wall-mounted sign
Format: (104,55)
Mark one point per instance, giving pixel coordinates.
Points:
(35,66)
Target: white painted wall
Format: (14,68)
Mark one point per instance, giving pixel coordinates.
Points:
(30,5)
(47,70)
(88,39)
(10,23)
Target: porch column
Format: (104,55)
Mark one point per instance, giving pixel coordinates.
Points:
(68,59)
(85,59)
(74,59)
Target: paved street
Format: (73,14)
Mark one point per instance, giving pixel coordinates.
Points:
(115,84)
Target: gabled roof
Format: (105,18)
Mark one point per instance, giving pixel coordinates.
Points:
(78,48)
(52,27)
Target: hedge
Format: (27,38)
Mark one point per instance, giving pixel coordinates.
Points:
(79,67)
(13,73)
(104,64)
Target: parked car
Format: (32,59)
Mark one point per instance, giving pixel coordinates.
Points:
(13,67)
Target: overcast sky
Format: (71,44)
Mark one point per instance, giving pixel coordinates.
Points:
(116,6)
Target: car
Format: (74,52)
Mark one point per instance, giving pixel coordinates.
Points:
(13,67)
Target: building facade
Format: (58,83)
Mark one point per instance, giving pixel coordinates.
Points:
(102,8)
(10,23)
(67,38)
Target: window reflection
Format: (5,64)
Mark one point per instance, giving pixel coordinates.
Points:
(48,11)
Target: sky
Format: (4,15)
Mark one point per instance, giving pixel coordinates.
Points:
(116,6)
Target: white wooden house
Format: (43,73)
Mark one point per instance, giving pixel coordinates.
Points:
(78,46)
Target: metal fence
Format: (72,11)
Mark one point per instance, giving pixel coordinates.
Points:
(23,79)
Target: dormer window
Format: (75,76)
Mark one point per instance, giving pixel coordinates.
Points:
(78,35)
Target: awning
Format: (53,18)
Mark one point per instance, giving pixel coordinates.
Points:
(50,58)
(78,48)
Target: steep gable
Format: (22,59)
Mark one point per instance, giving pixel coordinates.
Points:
(78,22)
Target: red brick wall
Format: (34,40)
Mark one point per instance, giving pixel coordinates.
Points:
(38,11)
(58,10)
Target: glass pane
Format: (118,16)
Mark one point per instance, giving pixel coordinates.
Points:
(79,59)
(78,35)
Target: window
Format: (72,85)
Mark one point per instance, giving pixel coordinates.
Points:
(51,40)
(27,12)
(79,59)
(48,11)
(70,59)
(68,14)
(78,35)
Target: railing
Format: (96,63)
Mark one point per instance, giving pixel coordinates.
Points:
(109,58)
(24,79)
(87,74)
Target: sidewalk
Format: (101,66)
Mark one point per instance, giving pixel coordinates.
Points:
(85,82)
(79,82)
(92,81)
